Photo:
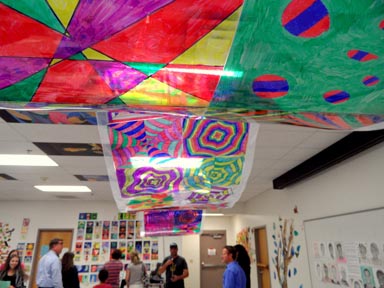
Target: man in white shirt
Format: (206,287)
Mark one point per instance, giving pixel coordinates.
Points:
(49,269)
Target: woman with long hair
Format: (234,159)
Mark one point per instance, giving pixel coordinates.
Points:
(135,272)
(244,261)
(12,272)
(69,271)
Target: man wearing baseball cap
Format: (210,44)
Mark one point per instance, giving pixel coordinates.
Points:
(176,268)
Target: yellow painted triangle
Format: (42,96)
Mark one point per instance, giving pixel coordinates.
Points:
(54,61)
(63,9)
(154,92)
(213,48)
(95,55)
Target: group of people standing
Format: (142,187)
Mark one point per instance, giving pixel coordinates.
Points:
(238,271)
(53,273)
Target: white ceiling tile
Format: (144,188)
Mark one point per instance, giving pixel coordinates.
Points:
(268,153)
(300,154)
(323,139)
(9,134)
(59,133)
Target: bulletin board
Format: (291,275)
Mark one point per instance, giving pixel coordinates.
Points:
(346,249)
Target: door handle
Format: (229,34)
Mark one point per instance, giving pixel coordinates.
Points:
(212,265)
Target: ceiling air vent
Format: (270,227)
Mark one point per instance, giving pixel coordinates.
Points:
(66,197)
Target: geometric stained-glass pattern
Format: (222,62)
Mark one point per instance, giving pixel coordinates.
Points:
(302,62)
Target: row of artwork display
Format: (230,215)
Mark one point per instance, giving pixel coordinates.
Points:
(349,264)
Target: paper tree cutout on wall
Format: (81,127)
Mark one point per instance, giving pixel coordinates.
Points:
(172,161)
(284,250)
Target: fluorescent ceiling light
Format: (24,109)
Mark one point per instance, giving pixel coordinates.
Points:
(63,188)
(213,214)
(237,74)
(26,160)
(166,162)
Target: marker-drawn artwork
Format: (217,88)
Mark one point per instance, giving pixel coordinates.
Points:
(155,250)
(49,117)
(172,222)
(138,229)
(70,149)
(139,246)
(24,228)
(115,230)
(104,254)
(4,177)
(92,178)
(29,249)
(113,247)
(106,230)
(123,249)
(78,251)
(82,268)
(20,247)
(122,229)
(130,248)
(131,229)
(97,230)
(87,251)
(146,250)
(95,251)
(89,230)
(80,230)
(303,64)
(169,161)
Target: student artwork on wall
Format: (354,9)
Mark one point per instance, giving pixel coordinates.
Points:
(5,238)
(24,228)
(92,251)
(346,263)
(341,255)
(285,249)
(49,117)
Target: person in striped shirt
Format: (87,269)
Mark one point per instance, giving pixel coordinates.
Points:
(114,267)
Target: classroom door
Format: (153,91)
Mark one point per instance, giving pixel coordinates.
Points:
(262,258)
(44,236)
(211,267)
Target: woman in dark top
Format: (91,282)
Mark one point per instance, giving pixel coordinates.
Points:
(244,261)
(13,272)
(69,271)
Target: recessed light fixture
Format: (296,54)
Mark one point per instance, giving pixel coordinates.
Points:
(63,188)
(165,162)
(26,160)
(213,214)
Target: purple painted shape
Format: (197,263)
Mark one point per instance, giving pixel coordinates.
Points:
(15,69)
(119,77)
(95,21)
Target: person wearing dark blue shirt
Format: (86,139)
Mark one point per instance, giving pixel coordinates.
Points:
(234,276)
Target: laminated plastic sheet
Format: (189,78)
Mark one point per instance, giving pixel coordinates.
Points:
(315,63)
(172,161)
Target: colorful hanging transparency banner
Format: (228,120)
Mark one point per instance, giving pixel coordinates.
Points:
(172,222)
(158,161)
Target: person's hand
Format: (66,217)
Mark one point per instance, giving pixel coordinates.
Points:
(11,286)
(175,278)
(169,262)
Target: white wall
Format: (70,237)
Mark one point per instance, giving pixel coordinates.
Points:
(353,185)
(64,214)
